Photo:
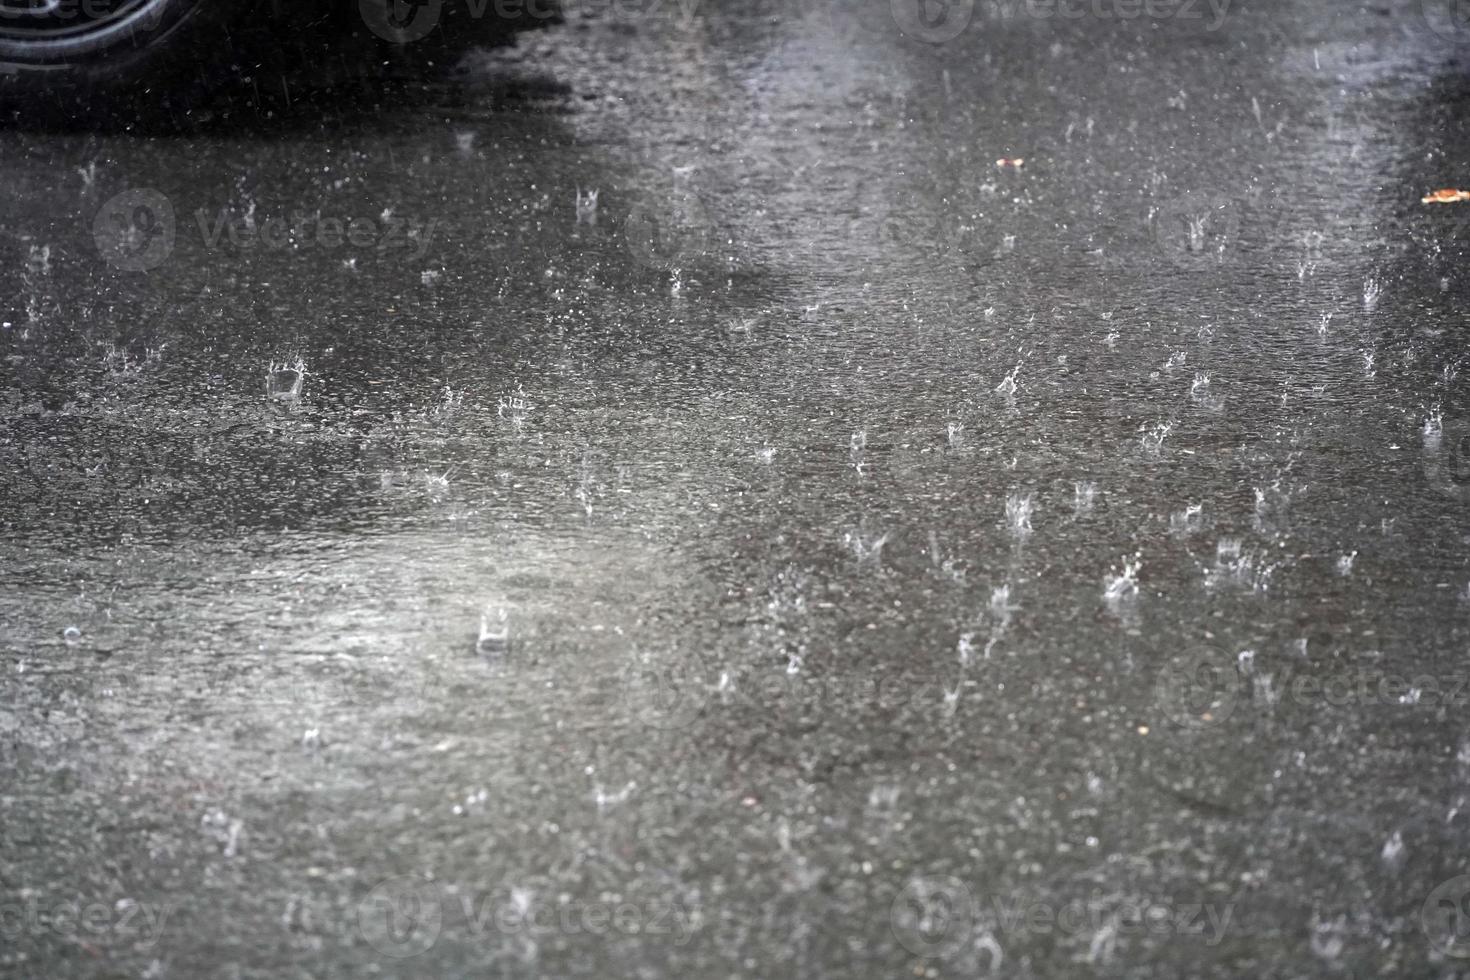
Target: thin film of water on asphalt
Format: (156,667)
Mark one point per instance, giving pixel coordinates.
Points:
(754,500)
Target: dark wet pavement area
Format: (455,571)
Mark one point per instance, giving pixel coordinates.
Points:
(666,501)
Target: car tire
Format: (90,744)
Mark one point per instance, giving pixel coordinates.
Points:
(117,64)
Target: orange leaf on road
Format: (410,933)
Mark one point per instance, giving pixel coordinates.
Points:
(1446,196)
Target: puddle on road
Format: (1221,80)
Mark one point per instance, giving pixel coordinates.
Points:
(741,495)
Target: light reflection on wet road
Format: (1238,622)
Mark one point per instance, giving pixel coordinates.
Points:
(910,563)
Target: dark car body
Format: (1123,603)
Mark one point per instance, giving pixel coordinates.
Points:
(101,62)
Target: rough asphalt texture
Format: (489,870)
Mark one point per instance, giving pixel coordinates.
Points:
(834,554)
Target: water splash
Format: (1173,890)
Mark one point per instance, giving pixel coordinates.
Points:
(1019,507)
(1271,502)
(1237,568)
(1372,292)
(494,636)
(284,380)
(120,364)
(1433,429)
(224,829)
(449,402)
(1187,521)
(1009,383)
(1001,608)
(1393,850)
(1083,494)
(587,206)
(514,408)
(1199,393)
(1153,436)
(884,797)
(948,566)
(1329,936)
(866,547)
(1104,941)
(604,799)
(1122,586)
(587,491)
(436,484)
(1198,223)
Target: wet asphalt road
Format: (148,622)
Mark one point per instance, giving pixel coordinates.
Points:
(832,553)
